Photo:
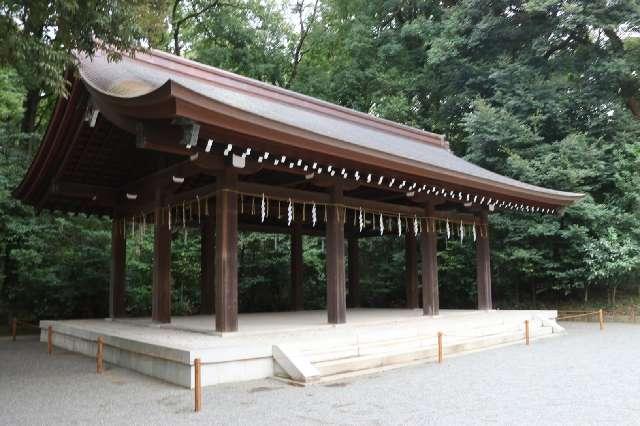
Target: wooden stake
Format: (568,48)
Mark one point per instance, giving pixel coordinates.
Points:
(601,319)
(198,385)
(100,356)
(440,347)
(50,340)
(14,328)
(526,331)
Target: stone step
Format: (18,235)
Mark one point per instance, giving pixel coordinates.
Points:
(369,347)
(399,356)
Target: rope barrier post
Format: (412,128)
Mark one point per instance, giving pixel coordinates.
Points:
(50,340)
(601,319)
(526,332)
(100,356)
(14,329)
(198,385)
(440,347)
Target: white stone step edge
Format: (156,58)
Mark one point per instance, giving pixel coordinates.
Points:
(294,364)
(353,374)
(356,348)
(404,355)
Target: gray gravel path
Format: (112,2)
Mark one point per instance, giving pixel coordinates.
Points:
(586,377)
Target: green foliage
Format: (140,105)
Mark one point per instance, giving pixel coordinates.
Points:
(544,91)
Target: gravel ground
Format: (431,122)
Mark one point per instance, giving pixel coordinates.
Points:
(586,377)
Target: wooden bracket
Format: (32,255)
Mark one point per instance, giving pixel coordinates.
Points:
(190,131)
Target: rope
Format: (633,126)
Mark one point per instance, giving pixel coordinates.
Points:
(28,324)
(477,336)
(577,316)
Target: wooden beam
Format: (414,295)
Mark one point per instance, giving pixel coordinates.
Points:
(226,271)
(171,176)
(354,297)
(118,269)
(278,229)
(207,259)
(100,195)
(411,269)
(483,264)
(297,267)
(162,137)
(429,248)
(161,289)
(334,246)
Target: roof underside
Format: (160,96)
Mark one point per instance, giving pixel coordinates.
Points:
(157,88)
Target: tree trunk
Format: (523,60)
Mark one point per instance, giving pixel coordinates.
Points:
(586,293)
(613,294)
(634,106)
(30,105)
(176,28)
(533,295)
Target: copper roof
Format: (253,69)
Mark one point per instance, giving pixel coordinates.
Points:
(138,86)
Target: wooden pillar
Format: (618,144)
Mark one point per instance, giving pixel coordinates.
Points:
(297,267)
(207,254)
(411,269)
(483,263)
(161,289)
(118,269)
(226,252)
(354,296)
(336,301)
(429,248)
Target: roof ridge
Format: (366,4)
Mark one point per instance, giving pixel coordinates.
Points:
(288,96)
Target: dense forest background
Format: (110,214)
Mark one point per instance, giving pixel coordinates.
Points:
(545,91)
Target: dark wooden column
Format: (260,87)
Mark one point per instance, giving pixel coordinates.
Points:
(429,248)
(336,301)
(483,263)
(297,267)
(354,296)
(226,252)
(118,269)
(411,269)
(161,290)
(207,258)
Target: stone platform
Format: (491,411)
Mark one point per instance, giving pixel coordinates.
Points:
(297,346)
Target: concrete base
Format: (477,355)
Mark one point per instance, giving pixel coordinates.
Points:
(372,338)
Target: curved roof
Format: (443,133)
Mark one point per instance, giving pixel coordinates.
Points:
(158,87)
(139,77)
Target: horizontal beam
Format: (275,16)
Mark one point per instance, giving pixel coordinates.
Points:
(99,194)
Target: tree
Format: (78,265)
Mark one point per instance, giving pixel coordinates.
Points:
(41,40)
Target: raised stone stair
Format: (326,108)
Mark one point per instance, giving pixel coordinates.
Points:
(374,350)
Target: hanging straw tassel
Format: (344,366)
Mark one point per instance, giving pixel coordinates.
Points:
(314,215)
